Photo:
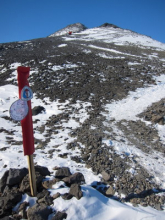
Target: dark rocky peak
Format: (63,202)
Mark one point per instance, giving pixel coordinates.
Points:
(72,28)
(80,26)
(109,25)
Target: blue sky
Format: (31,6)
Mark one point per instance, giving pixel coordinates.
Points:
(28,19)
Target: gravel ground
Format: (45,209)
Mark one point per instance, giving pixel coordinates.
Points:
(88,77)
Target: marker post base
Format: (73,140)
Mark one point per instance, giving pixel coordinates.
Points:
(32,176)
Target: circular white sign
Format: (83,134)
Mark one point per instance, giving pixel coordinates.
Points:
(19,110)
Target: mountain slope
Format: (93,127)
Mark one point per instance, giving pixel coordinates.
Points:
(96,86)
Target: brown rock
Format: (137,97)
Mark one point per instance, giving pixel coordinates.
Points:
(110,191)
(49,183)
(158,119)
(105,176)
(75,190)
(55,196)
(67,196)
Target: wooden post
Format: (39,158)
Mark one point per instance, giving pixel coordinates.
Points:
(32,176)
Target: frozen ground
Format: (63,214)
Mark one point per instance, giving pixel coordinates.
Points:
(93,205)
(80,79)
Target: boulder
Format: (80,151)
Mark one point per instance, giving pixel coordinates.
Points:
(110,191)
(75,178)
(42,170)
(75,190)
(48,200)
(67,196)
(8,202)
(44,197)
(60,216)
(105,176)
(63,172)
(25,184)
(49,183)
(38,212)
(42,194)
(55,196)
(22,209)
(3,181)
(37,110)
(15,176)
(158,119)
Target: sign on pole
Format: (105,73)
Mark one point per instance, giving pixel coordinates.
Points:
(21,111)
(27,125)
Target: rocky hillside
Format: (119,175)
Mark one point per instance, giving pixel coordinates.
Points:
(85,72)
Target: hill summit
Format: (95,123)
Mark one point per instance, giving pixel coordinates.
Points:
(74,28)
(109,25)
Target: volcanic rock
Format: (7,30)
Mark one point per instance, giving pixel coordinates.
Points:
(75,190)
(42,170)
(110,191)
(109,25)
(67,196)
(38,212)
(49,183)
(25,184)
(75,178)
(3,181)
(8,201)
(37,110)
(16,175)
(105,175)
(60,216)
(62,172)
(22,209)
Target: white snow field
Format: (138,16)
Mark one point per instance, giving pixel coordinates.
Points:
(117,36)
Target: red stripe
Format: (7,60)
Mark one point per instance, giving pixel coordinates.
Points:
(27,124)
